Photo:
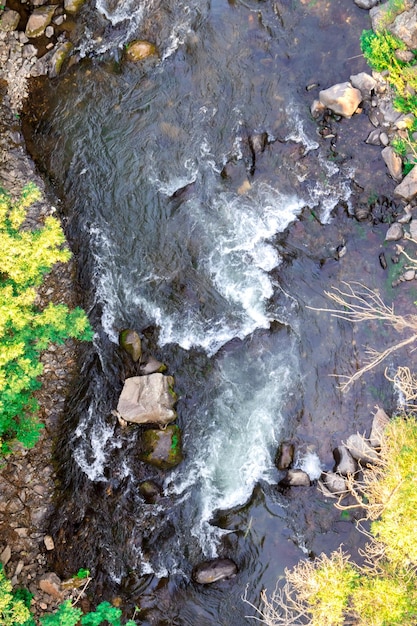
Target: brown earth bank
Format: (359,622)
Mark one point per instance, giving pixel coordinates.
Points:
(28,480)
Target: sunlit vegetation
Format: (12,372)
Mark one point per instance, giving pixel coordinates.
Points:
(15,610)
(332,591)
(25,329)
(380,50)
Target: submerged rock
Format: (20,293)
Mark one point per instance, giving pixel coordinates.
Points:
(58,58)
(162,448)
(214,570)
(285,455)
(139,50)
(148,399)
(130,341)
(150,491)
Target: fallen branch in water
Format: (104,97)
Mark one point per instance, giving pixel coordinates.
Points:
(361,304)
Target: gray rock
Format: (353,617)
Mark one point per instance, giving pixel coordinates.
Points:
(9,20)
(335,483)
(379,424)
(405,27)
(389,114)
(39,20)
(51,584)
(364,82)
(374,137)
(162,448)
(413,228)
(295,478)
(361,450)
(285,455)
(366,4)
(148,399)
(317,108)
(394,232)
(407,189)
(383,138)
(152,365)
(214,570)
(49,542)
(130,341)
(342,99)
(393,162)
(345,463)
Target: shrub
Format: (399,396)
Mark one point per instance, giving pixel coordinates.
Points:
(332,591)
(26,330)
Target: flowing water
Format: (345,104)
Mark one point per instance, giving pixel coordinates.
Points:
(215,271)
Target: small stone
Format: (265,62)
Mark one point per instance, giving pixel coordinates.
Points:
(5,556)
(285,455)
(139,50)
(317,109)
(384,139)
(364,82)
(409,275)
(413,229)
(379,424)
(49,542)
(394,232)
(49,31)
(374,138)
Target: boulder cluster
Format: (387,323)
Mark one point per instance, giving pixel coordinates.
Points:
(33,42)
(372,95)
(350,458)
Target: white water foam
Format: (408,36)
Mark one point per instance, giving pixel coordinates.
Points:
(237,434)
(94,440)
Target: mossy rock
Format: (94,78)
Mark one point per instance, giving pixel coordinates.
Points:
(139,50)
(130,341)
(162,448)
(60,55)
(73,6)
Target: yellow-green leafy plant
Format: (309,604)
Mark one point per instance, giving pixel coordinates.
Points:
(25,329)
(334,591)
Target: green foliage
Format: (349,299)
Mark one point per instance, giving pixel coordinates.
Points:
(13,609)
(66,615)
(25,330)
(379,50)
(82,573)
(333,591)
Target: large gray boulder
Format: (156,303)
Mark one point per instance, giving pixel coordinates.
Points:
(148,400)
(342,99)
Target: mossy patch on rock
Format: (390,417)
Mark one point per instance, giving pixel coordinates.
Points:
(162,448)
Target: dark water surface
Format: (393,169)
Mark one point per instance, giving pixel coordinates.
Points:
(216,272)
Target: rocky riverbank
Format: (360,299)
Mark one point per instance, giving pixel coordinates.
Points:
(27,482)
